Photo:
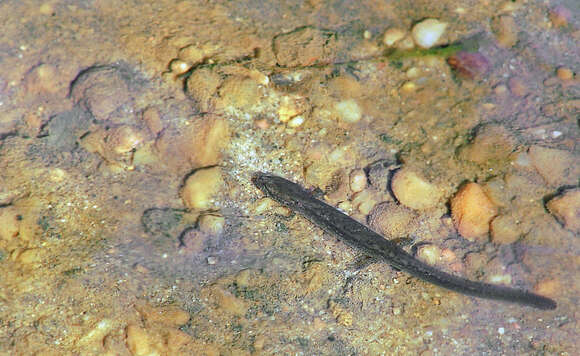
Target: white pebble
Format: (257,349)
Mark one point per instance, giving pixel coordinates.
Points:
(392,36)
(427,32)
(348,111)
(296,121)
(358,180)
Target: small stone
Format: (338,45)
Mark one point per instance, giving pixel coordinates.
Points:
(427,32)
(506,31)
(168,315)
(259,342)
(178,66)
(263,205)
(548,287)
(46,9)
(469,65)
(560,16)
(123,139)
(393,35)
(491,143)
(201,187)
(357,180)
(566,209)
(305,46)
(202,86)
(296,121)
(211,260)
(505,230)
(42,79)
(364,202)
(10,220)
(408,87)
(239,92)
(191,54)
(30,256)
(429,254)
(406,43)
(102,90)
(557,167)
(138,340)
(472,212)
(228,302)
(212,224)
(391,220)
(243,278)
(500,90)
(342,316)
(348,111)
(152,119)
(414,191)
(291,106)
(500,278)
(517,87)
(564,73)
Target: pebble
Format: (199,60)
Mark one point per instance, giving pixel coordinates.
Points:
(391,219)
(342,316)
(193,54)
(152,120)
(566,209)
(123,139)
(506,31)
(168,315)
(491,143)
(469,65)
(517,87)
(348,111)
(296,121)
(102,90)
(564,73)
(364,202)
(500,90)
(138,341)
(201,187)
(10,218)
(304,46)
(178,66)
(202,86)
(472,212)
(42,79)
(393,35)
(357,180)
(228,302)
(414,191)
(429,254)
(291,106)
(557,167)
(560,16)
(408,87)
(240,93)
(29,256)
(548,287)
(243,278)
(505,230)
(212,224)
(428,32)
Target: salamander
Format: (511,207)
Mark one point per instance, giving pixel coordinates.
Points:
(371,243)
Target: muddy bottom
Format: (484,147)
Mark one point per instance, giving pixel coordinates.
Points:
(130,131)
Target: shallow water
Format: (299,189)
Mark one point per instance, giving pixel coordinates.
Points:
(129,132)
